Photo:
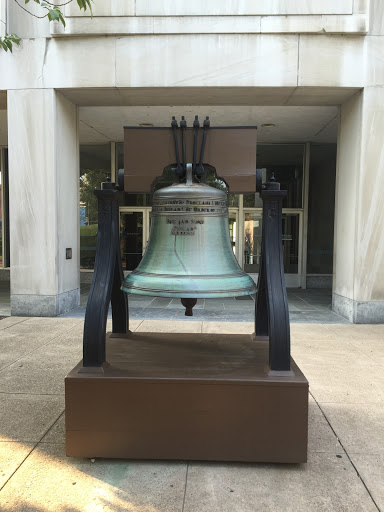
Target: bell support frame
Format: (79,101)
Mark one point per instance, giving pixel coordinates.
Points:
(271,308)
(107,279)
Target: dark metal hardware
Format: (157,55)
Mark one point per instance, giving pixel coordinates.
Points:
(107,279)
(179,170)
(183,127)
(200,171)
(197,168)
(271,308)
(188,304)
(196,126)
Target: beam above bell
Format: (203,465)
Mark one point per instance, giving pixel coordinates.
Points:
(230,149)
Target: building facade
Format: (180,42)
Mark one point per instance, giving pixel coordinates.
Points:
(310,75)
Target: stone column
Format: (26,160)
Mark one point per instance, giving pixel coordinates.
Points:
(44,202)
(358,283)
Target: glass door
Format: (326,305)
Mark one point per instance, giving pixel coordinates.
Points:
(291,242)
(134,231)
(233,224)
(252,242)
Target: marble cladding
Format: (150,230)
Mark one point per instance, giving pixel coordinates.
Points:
(339,60)
(44,305)
(347,171)
(376,17)
(32,231)
(26,25)
(373,61)
(361,6)
(369,247)
(230,60)
(217,60)
(44,213)
(243,59)
(359,214)
(3,12)
(245,7)
(358,312)
(43,63)
(67,171)
(218,8)
(160,25)
(357,24)
(92,63)
(103,8)
(24,67)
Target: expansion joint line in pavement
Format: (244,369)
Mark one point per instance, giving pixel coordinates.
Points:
(346,453)
(36,348)
(185,488)
(31,451)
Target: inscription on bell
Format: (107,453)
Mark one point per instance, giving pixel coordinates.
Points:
(193,206)
(183,225)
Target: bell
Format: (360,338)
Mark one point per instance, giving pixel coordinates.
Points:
(189,253)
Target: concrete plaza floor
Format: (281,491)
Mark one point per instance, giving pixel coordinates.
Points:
(344,364)
(305,306)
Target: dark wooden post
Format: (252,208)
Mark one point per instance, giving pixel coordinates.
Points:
(271,309)
(107,279)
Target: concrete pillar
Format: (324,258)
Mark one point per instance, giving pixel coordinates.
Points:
(3,19)
(358,283)
(44,202)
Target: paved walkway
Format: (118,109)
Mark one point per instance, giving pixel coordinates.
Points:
(305,306)
(344,364)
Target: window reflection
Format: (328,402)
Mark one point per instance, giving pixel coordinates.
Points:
(321,208)
(131,239)
(95,164)
(286,162)
(232,230)
(252,242)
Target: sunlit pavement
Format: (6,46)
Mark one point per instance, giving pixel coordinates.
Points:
(344,364)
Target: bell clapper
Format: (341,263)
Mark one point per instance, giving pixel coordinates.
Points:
(188,304)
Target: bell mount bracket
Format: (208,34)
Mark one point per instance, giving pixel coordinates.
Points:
(197,166)
(271,305)
(107,280)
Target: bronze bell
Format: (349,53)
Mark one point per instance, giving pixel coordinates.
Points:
(189,253)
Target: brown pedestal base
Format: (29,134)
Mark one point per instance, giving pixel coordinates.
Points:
(188,397)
